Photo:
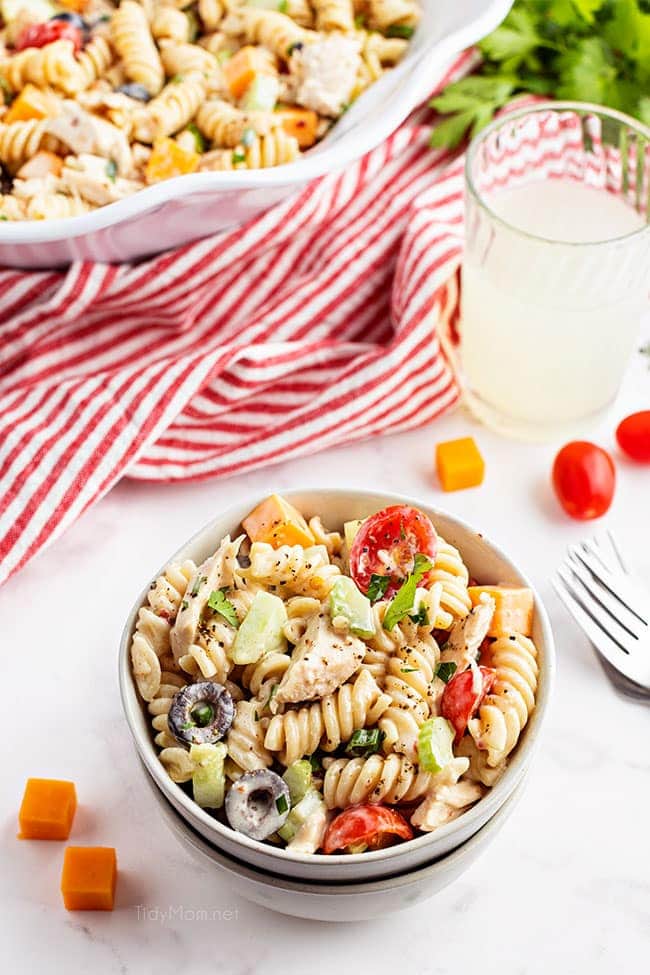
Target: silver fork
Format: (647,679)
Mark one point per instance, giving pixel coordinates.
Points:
(612,607)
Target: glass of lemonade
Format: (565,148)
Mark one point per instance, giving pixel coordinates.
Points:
(556,268)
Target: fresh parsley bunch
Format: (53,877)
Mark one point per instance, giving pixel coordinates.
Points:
(581,50)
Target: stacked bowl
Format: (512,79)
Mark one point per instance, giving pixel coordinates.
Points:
(345,886)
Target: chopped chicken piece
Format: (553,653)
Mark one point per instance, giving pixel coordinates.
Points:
(321,661)
(84,132)
(11,208)
(479,770)
(447,797)
(215,573)
(467,635)
(311,833)
(91,178)
(326,73)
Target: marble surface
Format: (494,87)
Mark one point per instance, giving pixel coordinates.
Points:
(565,886)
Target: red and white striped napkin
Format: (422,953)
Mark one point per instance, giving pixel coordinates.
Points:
(312,325)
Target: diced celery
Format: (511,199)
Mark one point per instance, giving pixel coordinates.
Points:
(434,744)
(298,777)
(350,529)
(346,600)
(262,94)
(311,802)
(261,630)
(209,778)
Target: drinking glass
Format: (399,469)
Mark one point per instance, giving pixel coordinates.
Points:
(556,268)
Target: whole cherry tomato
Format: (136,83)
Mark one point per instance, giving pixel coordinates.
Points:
(369,825)
(584,479)
(399,533)
(633,435)
(38,35)
(463,696)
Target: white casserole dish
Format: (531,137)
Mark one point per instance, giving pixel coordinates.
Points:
(186,208)
(486,563)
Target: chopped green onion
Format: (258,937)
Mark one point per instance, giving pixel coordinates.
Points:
(421,617)
(434,744)
(445,671)
(111,170)
(202,714)
(223,606)
(400,30)
(198,582)
(283,6)
(377,588)
(402,603)
(408,670)
(365,741)
(315,763)
(238,156)
(199,141)
(281,804)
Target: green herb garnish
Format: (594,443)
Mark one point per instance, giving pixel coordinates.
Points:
(445,671)
(421,617)
(199,141)
(223,606)
(202,715)
(238,156)
(111,170)
(283,6)
(580,50)
(281,804)
(377,588)
(184,604)
(198,582)
(366,741)
(408,670)
(400,30)
(402,603)
(315,763)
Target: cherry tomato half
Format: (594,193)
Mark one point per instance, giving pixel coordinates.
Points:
(584,479)
(374,826)
(633,435)
(463,695)
(38,35)
(400,533)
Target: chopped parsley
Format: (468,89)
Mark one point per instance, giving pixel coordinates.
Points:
(282,804)
(403,600)
(445,671)
(377,588)
(223,606)
(421,617)
(366,741)
(111,170)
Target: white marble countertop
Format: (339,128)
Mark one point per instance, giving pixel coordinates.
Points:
(566,884)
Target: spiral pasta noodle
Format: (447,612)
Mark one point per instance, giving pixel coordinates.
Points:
(292,569)
(54,64)
(300,610)
(328,722)
(274,30)
(389,779)
(408,684)
(19,141)
(334,14)
(181,59)
(169,23)
(132,39)
(94,60)
(225,124)
(173,108)
(245,740)
(211,13)
(385,13)
(450,570)
(505,711)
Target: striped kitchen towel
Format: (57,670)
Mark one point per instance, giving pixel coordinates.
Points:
(314,324)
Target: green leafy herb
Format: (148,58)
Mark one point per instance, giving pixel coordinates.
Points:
(400,30)
(198,582)
(199,141)
(184,604)
(282,804)
(111,170)
(238,156)
(315,763)
(402,603)
(583,50)
(421,617)
(203,714)
(377,588)
(365,742)
(223,606)
(445,671)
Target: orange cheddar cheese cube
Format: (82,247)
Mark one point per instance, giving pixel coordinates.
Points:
(301,123)
(168,159)
(277,522)
(31,103)
(459,464)
(513,612)
(88,878)
(240,70)
(47,809)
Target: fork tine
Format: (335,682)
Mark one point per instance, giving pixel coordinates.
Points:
(617,610)
(616,549)
(603,643)
(596,624)
(618,584)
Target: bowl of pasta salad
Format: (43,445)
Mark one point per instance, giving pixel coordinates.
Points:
(336,683)
(129,127)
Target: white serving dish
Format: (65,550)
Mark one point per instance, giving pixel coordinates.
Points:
(486,563)
(186,208)
(337,902)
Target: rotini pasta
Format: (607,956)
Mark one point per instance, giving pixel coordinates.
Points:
(226,125)
(327,682)
(172,109)
(133,42)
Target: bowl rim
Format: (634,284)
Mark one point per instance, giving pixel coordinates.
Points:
(366,135)
(494,798)
(331,888)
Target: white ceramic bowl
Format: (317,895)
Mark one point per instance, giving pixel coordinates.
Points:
(486,563)
(179,210)
(343,901)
